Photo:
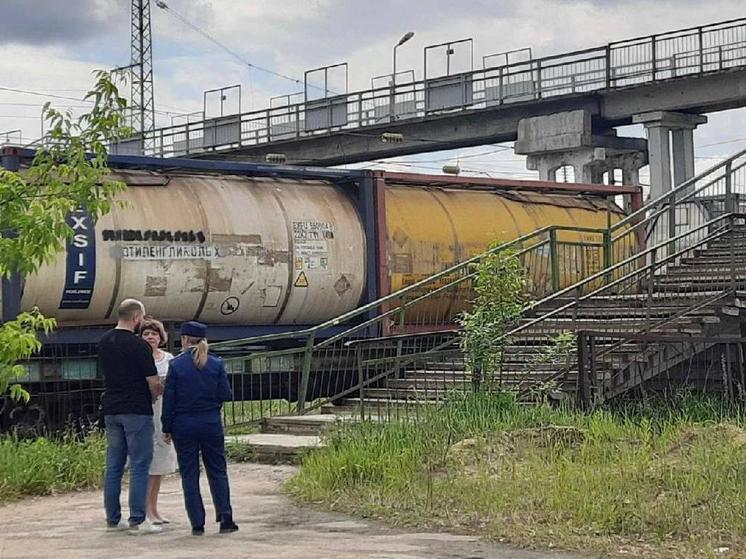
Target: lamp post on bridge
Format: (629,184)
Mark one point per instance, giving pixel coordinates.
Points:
(408,35)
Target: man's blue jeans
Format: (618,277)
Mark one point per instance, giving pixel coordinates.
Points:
(127,435)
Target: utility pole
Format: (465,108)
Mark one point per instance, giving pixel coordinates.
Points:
(141,50)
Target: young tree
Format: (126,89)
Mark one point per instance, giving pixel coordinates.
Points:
(69,173)
(500,296)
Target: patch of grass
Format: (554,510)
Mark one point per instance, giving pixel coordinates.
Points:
(651,480)
(45,466)
(237,452)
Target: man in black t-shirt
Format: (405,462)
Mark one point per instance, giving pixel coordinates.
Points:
(130,385)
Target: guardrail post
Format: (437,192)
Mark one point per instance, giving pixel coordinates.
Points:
(583,388)
(701,52)
(608,67)
(729,206)
(361,381)
(732,257)
(538,79)
(500,86)
(400,341)
(554,259)
(651,285)
(654,61)
(672,222)
(607,252)
(305,373)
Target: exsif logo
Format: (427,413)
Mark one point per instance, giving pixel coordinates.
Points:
(80,270)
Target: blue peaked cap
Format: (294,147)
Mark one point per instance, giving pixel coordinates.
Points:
(194,329)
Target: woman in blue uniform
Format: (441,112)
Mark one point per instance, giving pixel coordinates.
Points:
(196,387)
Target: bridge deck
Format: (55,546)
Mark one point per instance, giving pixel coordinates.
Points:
(700,69)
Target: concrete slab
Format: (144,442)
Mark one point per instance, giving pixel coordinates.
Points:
(287,444)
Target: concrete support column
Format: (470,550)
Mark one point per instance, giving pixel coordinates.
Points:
(683,154)
(659,155)
(669,133)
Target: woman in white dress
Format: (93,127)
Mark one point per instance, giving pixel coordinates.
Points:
(164,455)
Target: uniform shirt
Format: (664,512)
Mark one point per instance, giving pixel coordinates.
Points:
(190,390)
(126,360)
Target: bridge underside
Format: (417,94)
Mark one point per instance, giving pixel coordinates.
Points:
(443,131)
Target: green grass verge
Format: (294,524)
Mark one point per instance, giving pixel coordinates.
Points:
(43,466)
(653,481)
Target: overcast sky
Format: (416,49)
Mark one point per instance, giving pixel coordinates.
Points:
(50,47)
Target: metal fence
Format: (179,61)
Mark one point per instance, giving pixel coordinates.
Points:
(694,51)
(65,387)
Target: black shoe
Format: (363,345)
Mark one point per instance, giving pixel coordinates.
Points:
(198,531)
(227,526)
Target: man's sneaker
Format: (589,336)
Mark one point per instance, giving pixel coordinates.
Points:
(121,527)
(198,531)
(146,527)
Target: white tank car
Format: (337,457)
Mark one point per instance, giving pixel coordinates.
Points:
(221,249)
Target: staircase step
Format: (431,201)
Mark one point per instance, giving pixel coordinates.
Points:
(313,425)
(704,275)
(694,286)
(404,394)
(707,259)
(274,448)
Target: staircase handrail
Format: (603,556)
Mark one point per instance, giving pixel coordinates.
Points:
(639,216)
(645,268)
(399,294)
(414,357)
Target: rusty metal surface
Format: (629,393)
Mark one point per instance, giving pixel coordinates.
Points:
(485,183)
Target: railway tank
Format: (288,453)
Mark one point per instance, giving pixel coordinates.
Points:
(266,250)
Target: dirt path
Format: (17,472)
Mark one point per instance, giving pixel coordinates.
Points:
(272,527)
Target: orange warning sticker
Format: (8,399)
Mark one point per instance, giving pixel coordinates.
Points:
(301,280)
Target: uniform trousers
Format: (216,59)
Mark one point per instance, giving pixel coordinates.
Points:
(195,434)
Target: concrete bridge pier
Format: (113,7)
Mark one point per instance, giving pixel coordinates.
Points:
(554,141)
(670,147)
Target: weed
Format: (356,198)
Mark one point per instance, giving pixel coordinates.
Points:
(44,466)
(665,478)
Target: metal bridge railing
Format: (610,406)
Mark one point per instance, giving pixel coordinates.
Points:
(694,51)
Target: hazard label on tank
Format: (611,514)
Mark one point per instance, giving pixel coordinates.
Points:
(301,280)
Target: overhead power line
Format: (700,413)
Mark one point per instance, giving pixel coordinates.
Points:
(67,98)
(165,7)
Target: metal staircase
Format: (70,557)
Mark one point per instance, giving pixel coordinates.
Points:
(668,292)
(687,310)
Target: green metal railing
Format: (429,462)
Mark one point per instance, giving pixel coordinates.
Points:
(313,370)
(421,318)
(704,212)
(637,285)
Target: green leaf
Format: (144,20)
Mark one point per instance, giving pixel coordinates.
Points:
(34,206)
(18,393)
